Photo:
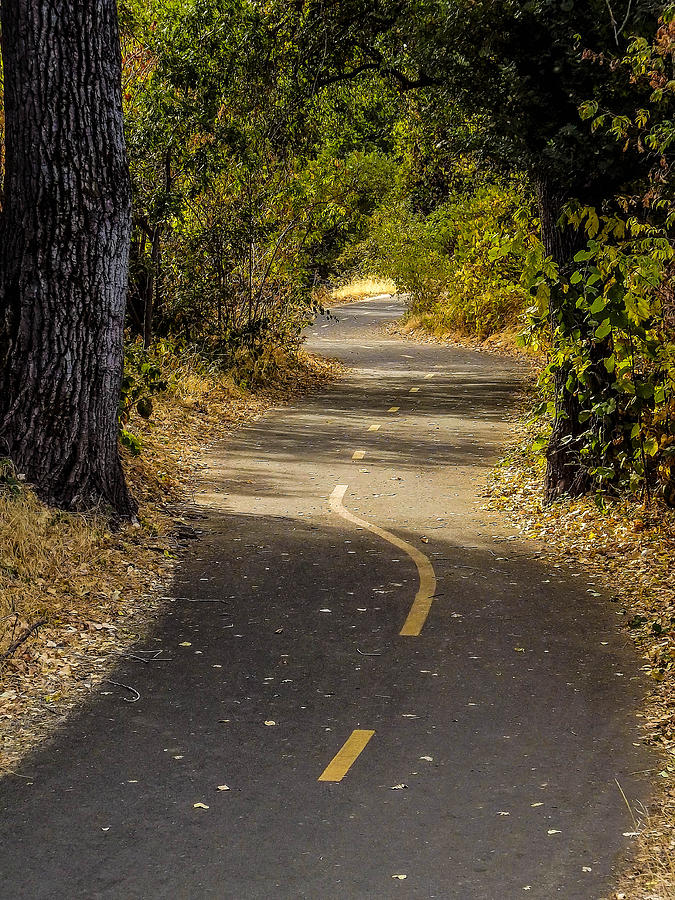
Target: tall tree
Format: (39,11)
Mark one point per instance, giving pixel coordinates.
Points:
(64,246)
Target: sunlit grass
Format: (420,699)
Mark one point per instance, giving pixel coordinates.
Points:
(360,288)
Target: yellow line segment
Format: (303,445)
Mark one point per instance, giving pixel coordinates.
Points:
(358,454)
(393,409)
(373,428)
(419,611)
(413,390)
(346,756)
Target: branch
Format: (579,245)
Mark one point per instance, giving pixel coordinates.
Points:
(410,84)
(347,76)
(625,21)
(615,24)
(13,647)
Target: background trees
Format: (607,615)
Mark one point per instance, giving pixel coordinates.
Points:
(246,180)
(503,83)
(490,155)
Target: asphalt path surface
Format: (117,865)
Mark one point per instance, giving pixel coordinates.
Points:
(477,758)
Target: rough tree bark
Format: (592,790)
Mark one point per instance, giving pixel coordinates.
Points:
(64,246)
(565,474)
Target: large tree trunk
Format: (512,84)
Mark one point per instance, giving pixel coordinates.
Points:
(64,246)
(565,474)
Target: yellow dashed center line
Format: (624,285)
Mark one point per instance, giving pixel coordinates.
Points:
(413,390)
(429,375)
(424,597)
(346,756)
(358,454)
(373,428)
(393,409)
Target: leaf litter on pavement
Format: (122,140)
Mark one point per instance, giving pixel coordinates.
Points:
(83,594)
(628,551)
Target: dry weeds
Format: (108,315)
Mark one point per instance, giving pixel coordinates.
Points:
(96,590)
(360,288)
(504,341)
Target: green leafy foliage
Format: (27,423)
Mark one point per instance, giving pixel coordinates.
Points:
(617,317)
(461,262)
(144,377)
(246,184)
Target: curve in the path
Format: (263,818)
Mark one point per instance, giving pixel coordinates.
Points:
(498,732)
(421,606)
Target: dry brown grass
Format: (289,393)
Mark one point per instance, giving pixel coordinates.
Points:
(46,558)
(652,874)
(418,328)
(96,589)
(360,289)
(91,587)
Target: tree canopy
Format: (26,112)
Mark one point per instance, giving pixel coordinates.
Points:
(492,156)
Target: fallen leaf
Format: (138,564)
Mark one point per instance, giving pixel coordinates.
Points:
(200,805)
(400,877)
(427,758)
(554,831)
(185,644)
(399,787)
(270,722)
(223,787)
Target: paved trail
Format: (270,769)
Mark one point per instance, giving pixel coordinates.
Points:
(474,756)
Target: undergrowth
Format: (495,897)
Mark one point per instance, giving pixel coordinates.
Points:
(460,264)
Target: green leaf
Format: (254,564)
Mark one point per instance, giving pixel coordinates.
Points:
(603,330)
(593,223)
(651,446)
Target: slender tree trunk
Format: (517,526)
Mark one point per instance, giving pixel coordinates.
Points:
(64,247)
(152,288)
(138,278)
(560,243)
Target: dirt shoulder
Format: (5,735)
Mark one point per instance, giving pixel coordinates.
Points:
(76,595)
